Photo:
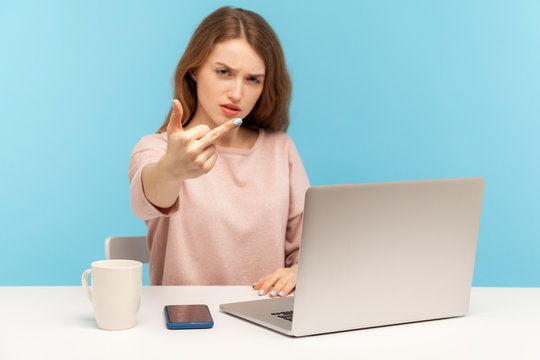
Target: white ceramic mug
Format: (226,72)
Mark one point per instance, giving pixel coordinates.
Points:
(116,292)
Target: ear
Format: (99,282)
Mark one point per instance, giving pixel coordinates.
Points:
(193,74)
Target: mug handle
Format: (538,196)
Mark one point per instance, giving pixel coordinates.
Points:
(84,280)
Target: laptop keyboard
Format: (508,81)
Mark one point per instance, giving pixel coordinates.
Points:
(287,315)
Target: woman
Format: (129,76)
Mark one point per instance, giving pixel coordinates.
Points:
(222,202)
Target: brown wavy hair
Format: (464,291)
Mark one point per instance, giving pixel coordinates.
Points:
(272,108)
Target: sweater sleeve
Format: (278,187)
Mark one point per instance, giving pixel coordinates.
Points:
(298,184)
(148,150)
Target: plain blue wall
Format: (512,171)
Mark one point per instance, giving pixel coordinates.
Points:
(383,91)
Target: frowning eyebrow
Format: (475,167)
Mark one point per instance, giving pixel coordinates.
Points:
(233,69)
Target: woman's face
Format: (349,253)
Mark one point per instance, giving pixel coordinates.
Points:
(229,83)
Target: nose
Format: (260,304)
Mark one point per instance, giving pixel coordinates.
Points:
(235,92)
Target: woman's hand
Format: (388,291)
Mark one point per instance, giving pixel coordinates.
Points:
(279,283)
(191,153)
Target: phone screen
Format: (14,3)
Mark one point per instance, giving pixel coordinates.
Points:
(188,317)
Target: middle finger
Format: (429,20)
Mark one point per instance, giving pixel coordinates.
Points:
(216,133)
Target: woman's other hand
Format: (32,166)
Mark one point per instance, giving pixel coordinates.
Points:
(279,283)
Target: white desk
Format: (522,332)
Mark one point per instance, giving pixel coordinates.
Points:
(58,323)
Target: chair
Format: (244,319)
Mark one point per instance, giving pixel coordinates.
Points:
(127,247)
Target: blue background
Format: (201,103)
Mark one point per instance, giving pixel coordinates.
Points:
(383,91)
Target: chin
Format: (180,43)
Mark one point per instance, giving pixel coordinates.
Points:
(219,120)
(222,118)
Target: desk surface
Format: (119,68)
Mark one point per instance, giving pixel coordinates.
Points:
(58,323)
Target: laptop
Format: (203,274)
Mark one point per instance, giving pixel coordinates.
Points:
(378,254)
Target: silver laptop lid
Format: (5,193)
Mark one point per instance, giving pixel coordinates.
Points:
(386,253)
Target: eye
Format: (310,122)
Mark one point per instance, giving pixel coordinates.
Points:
(254,80)
(222,72)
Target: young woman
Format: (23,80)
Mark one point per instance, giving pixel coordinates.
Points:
(221,186)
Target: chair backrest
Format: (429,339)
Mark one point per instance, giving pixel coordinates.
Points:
(127,247)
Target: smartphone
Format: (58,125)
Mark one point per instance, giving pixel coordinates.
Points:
(188,317)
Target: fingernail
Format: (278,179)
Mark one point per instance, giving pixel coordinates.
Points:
(252,285)
(261,292)
(237,122)
(272,293)
(281,293)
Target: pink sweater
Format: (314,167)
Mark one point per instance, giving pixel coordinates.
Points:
(232,226)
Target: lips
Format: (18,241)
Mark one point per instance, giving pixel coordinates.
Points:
(230,109)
